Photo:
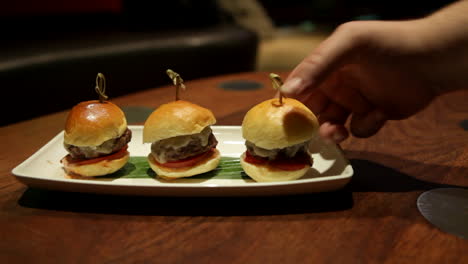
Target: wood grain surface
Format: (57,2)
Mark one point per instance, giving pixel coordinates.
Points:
(373,220)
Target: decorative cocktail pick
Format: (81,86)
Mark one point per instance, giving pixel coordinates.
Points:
(101,87)
(277,84)
(177,80)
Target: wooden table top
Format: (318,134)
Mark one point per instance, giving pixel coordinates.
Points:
(374,219)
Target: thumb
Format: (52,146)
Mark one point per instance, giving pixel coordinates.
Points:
(366,125)
(329,56)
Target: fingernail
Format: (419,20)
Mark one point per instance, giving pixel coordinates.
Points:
(292,86)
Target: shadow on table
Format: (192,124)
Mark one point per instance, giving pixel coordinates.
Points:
(373,177)
(370,176)
(186,206)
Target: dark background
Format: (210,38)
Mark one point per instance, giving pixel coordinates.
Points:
(33,28)
(147,15)
(335,12)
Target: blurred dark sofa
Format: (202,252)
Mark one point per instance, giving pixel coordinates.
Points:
(49,62)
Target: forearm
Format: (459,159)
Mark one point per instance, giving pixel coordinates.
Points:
(445,33)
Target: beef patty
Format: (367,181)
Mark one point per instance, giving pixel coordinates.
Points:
(109,146)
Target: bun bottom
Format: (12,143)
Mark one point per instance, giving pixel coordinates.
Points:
(264,173)
(169,173)
(100,168)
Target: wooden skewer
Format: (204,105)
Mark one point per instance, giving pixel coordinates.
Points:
(101,87)
(277,84)
(177,80)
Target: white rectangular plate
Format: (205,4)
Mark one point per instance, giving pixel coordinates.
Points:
(330,171)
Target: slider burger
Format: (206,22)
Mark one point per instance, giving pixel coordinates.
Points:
(96,138)
(277,133)
(182,143)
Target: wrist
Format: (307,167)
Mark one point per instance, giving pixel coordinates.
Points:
(440,45)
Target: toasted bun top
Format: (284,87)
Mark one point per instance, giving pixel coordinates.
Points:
(91,123)
(270,125)
(176,118)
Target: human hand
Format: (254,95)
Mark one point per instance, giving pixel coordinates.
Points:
(365,70)
(374,71)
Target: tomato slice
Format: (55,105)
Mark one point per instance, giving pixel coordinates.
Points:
(295,163)
(254,160)
(288,164)
(116,155)
(188,162)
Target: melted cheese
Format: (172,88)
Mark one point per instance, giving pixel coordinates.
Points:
(96,151)
(178,142)
(271,154)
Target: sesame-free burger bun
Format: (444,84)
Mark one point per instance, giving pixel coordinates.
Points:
(270,125)
(176,118)
(90,123)
(99,168)
(265,173)
(206,165)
